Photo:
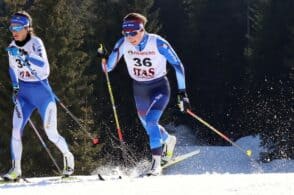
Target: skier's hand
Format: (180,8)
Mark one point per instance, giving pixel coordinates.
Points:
(103,54)
(14,51)
(102,51)
(183,101)
(15,89)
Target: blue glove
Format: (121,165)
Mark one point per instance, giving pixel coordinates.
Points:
(14,51)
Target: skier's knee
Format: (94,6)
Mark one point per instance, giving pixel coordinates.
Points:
(16,134)
(53,137)
(151,124)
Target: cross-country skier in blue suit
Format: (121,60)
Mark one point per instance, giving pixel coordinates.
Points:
(145,55)
(31,91)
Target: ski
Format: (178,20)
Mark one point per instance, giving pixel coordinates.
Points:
(19,180)
(2,181)
(49,180)
(98,177)
(46,180)
(63,179)
(173,161)
(107,178)
(180,158)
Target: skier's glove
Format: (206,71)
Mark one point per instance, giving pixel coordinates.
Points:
(183,101)
(15,89)
(14,51)
(103,54)
(102,51)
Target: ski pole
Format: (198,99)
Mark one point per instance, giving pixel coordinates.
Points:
(41,139)
(247,152)
(127,154)
(119,132)
(45,146)
(94,139)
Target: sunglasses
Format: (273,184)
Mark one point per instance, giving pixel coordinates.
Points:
(132,33)
(16,28)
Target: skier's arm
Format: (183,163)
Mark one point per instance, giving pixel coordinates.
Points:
(115,55)
(36,57)
(166,50)
(13,77)
(39,56)
(36,60)
(171,56)
(12,70)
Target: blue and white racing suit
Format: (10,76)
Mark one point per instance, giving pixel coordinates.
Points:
(34,93)
(146,63)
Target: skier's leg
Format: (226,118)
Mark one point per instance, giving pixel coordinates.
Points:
(151,100)
(143,108)
(157,109)
(48,113)
(148,123)
(164,133)
(21,114)
(169,141)
(153,131)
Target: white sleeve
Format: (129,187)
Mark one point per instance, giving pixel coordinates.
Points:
(38,53)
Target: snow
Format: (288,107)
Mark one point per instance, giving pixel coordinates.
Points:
(216,170)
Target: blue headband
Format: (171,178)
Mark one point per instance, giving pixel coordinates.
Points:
(132,25)
(18,19)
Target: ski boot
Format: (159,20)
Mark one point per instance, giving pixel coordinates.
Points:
(69,164)
(14,174)
(155,166)
(168,149)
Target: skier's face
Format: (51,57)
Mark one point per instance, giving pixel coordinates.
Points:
(19,33)
(134,37)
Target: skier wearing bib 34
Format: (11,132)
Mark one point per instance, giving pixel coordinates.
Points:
(31,90)
(145,55)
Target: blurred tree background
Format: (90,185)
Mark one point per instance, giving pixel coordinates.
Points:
(239,62)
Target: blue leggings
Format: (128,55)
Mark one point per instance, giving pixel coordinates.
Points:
(151,100)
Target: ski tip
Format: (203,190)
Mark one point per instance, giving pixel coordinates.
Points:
(100,177)
(180,158)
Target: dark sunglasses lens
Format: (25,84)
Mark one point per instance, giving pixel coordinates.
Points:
(132,34)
